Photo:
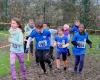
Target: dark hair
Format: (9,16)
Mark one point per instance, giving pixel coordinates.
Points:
(39,25)
(19,23)
(82,25)
(48,24)
(60,29)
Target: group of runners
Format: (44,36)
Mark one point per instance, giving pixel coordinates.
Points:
(48,44)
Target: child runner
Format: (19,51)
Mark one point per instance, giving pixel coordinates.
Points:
(67,34)
(79,41)
(28,29)
(62,42)
(52,39)
(75,27)
(16,48)
(42,38)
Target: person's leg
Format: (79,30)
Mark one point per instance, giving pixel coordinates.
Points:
(69,52)
(36,57)
(77,60)
(31,48)
(22,65)
(12,65)
(58,59)
(25,42)
(51,52)
(25,46)
(81,63)
(41,60)
(64,57)
(47,59)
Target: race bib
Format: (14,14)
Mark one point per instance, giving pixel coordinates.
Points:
(14,45)
(59,45)
(42,43)
(81,44)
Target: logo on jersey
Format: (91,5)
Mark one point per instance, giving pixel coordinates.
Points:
(44,36)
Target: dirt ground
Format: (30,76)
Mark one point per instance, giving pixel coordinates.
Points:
(91,71)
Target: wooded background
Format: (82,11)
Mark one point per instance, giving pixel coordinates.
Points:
(56,12)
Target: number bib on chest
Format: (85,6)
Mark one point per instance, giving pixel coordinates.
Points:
(59,45)
(42,43)
(81,44)
(15,46)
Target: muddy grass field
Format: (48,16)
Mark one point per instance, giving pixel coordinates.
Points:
(91,71)
(34,72)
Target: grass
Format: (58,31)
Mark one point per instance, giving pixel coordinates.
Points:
(96,42)
(5,63)
(4,55)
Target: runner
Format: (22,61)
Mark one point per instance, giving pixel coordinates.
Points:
(62,42)
(42,38)
(16,40)
(79,50)
(52,39)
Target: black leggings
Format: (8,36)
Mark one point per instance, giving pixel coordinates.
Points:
(63,54)
(51,52)
(36,56)
(43,56)
(64,57)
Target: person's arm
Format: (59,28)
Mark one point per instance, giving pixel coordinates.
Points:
(28,42)
(74,43)
(55,42)
(89,42)
(54,31)
(74,40)
(72,29)
(67,43)
(32,35)
(27,30)
(49,35)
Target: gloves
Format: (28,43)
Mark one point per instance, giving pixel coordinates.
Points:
(26,51)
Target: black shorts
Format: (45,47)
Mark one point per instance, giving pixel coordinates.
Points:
(63,54)
(42,54)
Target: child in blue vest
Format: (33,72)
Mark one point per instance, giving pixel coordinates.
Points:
(52,39)
(42,38)
(62,42)
(75,27)
(67,34)
(16,40)
(79,50)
